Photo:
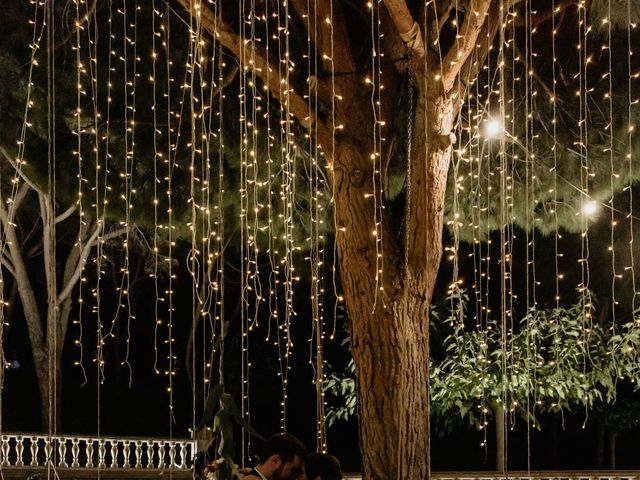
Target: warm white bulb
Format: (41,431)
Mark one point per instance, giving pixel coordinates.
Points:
(590,208)
(493,128)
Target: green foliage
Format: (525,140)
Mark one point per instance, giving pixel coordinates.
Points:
(551,360)
(556,359)
(341,389)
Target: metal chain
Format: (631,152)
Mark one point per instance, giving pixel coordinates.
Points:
(408,179)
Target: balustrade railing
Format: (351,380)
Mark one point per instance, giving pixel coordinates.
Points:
(66,451)
(532,475)
(141,456)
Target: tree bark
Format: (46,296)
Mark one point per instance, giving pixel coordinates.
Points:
(389,343)
(600,441)
(390,317)
(53,409)
(501,453)
(612,450)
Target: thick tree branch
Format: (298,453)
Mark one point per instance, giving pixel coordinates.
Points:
(400,14)
(78,24)
(110,236)
(19,170)
(328,31)
(6,263)
(80,259)
(25,289)
(227,78)
(19,198)
(253,57)
(465,43)
(79,264)
(407,27)
(541,16)
(334,32)
(66,214)
(471,68)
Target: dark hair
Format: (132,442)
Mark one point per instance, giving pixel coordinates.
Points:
(322,465)
(285,445)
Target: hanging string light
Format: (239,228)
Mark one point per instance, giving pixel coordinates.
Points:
(34,45)
(244,253)
(504,260)
(608,98)
(631,102)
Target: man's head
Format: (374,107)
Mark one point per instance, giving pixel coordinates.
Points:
(321,466)
(282,457)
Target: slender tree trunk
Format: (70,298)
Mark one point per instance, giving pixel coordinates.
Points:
(501,453)
(600,440)
(50,409)
(612,450)
(554,443)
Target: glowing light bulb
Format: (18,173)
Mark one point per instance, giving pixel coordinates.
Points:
(493,128)
(590,208)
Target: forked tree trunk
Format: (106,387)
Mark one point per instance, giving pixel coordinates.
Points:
(46,337)
(390,317)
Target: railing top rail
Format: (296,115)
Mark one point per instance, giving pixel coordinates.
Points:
(511,474)
(97,437)
(537,473)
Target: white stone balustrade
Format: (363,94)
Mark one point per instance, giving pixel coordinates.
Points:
(66,451)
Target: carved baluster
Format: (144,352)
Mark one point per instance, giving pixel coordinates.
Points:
(19,451)
(150,452)
(115,447)
(138,445)
(62,450)
(172,454)
(179,455)
(166,461)
(118,447)
(110,450)
(4,451)
(158,457)
(47,451)
(101,454)
(178,460)
(144,453)
(34,451)
(75,448)
(184,450)
(89,453)
(126,451)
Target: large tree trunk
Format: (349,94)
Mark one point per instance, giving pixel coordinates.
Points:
(390,317)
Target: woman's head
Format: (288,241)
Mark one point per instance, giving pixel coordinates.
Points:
(321,466)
